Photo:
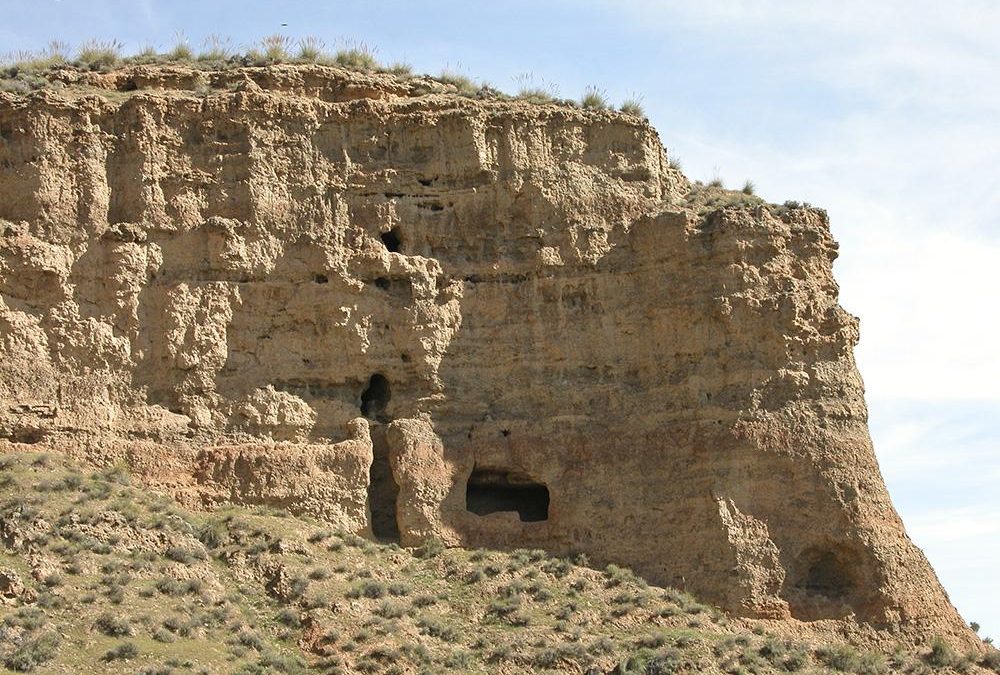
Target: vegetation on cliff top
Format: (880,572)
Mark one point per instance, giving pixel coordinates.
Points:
(99,575)
(25,71)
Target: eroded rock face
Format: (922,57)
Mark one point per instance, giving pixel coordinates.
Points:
(549,348)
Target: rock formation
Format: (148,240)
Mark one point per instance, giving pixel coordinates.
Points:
(415,314)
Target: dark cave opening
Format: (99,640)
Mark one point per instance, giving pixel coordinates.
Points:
(827,575)
(392,239)
(496,490)
(375,398)
(382,489)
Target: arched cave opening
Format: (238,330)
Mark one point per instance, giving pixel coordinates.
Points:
(382,489)
(824,582)
(375,398)
(498,490)
(393,239)
(826,574)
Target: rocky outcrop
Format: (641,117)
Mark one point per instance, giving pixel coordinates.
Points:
(553,346)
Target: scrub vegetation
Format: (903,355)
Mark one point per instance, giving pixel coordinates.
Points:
(24,72)
(100,575)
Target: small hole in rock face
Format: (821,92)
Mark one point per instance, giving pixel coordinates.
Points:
(320,279)
(375,398)
(28,436)
(405,357)
(393,240)
(505,432)
(383,283)
(497,490)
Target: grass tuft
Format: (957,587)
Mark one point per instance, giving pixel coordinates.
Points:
(594,99)
(276,48)
(311,49)
(217,50)
(357,57)
(633,106)
(98,54)
(463,83)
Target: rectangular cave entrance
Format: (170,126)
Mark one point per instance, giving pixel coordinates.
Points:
(382,489)
(502,490)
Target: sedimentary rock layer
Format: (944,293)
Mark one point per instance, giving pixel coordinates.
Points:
(418,315)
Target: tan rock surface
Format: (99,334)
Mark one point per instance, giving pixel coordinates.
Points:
(554,348)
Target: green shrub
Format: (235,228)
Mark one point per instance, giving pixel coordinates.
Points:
(33,652)
(991,660)
(399,589)
(163,635)
(841,657)
(184,555)
(870,663)
(390,610)
(28,618)
(248,639)
(460,658)
(616,576)
(749,188)
(368,589)
(114,626)
(431,548)
(436,628)
(319,574)
(123,652)
(289,617)
(942,655)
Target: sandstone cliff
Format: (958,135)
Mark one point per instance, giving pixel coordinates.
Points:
(415,315)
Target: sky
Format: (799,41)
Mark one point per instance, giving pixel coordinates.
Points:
(885,113)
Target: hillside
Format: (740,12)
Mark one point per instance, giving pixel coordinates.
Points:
(101,576)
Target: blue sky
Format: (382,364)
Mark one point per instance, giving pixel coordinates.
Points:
(884,113)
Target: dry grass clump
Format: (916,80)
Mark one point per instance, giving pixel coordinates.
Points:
(633,106)
(311,49)
(463,83)
(357,57)
(217,50)
(99,54)
(535,90)
(595,99)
